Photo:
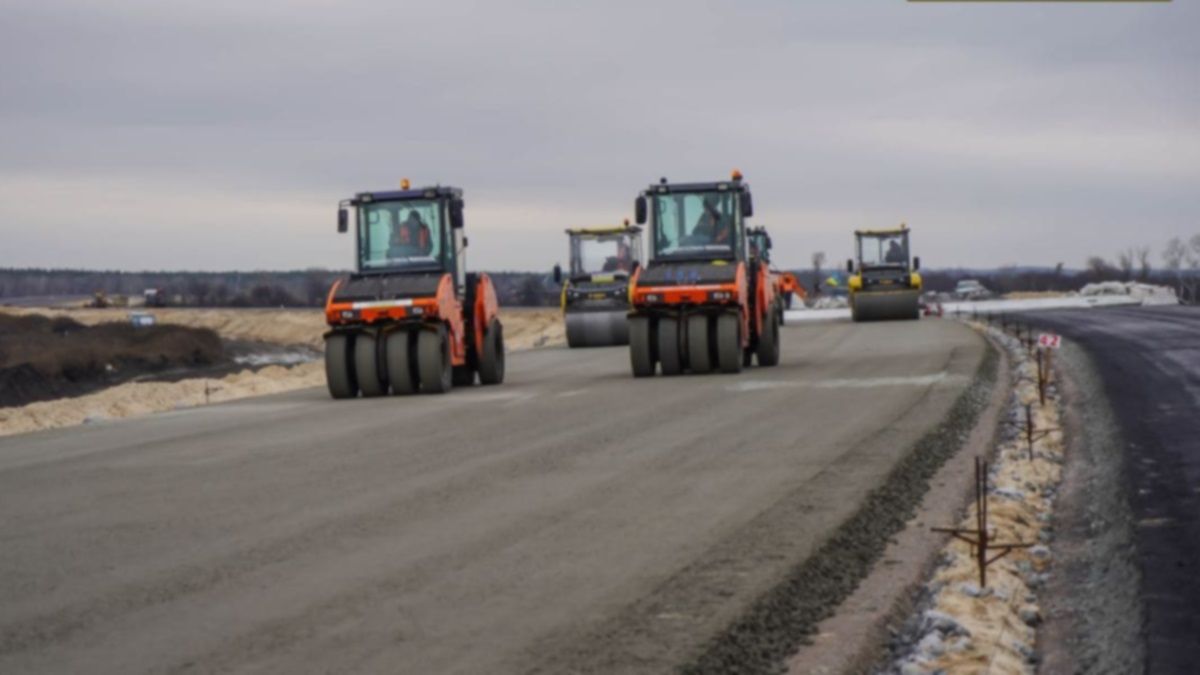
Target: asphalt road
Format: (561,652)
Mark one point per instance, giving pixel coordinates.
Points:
(1149,361)
(502,529)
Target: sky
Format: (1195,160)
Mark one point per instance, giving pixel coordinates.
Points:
(221,134)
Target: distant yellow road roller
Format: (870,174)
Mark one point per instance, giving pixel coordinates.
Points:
(605,261)
(885,285)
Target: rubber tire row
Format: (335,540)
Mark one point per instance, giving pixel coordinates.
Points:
(659,343)
(412,361)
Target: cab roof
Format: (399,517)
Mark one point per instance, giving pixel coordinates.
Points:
(431,192)
(719,186)
(603,230)
(903,229)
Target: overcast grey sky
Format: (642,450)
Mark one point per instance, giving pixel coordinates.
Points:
(220,134)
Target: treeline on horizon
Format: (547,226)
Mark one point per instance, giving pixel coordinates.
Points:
(308,288)
(295,288)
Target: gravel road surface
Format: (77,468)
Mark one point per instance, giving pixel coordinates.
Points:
(1149,361)
(499,529)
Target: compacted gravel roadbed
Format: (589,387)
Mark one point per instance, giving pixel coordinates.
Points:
(501,529)
(1148,359)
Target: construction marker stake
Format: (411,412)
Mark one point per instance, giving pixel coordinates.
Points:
(978,538)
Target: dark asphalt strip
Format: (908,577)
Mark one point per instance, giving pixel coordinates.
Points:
(784,618)
(1149,362)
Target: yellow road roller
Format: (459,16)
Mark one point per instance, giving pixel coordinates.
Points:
(885,285)
(595,289)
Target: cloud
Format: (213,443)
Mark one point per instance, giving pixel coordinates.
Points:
(1013,133)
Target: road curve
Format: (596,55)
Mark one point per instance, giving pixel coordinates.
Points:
(500,529)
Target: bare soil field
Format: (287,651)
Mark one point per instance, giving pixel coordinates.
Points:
(44,358)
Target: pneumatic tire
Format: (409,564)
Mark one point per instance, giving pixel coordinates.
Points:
(641,351)
(768,342)
(491,362)
(339,370)
(699,353)
(433,361)
(370,376)
(401,370)
(669,356)
(729,343)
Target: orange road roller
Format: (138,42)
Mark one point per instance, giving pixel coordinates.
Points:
(702,303)
(410,318)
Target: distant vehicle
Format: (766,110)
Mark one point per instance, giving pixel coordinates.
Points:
(141,319)
(154,297)
(886,284)
(595,288)
(971,289)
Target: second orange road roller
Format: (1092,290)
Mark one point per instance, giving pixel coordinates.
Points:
(702,302)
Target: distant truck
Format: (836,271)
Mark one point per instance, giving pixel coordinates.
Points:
(971,289)
(154,297)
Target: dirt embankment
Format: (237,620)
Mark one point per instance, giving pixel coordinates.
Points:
(523,328)
(45,358)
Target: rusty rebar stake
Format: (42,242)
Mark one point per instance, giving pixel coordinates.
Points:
(982,542)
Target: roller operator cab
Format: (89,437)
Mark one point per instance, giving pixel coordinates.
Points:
(885,283)
(595,287)
(410,319)
(702,302)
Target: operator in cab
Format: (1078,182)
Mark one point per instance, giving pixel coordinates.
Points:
(622,261)
(712,226)
(410,237)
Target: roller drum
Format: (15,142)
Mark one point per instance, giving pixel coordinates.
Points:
(597,329)
(886,305)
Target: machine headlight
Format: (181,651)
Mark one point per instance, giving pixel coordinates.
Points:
(349,314)
(720,296)
(652,297)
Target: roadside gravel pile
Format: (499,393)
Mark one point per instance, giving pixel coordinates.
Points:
(771,631)
(967,629)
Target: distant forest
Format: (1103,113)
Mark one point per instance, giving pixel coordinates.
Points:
(307,288)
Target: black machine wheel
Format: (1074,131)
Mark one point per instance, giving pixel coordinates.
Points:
(768,342)
(339,372)
(401,370)
(433,361)
(669,355)
(641,352)
(698,350)
(491,362)
(371,379)
(729,343)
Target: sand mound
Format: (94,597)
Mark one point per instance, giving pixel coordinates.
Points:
(139,398)
(523,329)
